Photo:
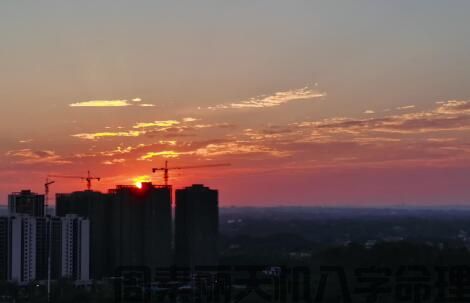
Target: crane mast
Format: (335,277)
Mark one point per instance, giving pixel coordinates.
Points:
(47,185)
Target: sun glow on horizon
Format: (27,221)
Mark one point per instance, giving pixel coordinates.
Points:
(139,180)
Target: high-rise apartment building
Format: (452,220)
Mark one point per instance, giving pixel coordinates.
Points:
(128,226)
(196,226)
(141,225)
(24,248)
(75,248)
(4,248)
(26,202)
(96,207)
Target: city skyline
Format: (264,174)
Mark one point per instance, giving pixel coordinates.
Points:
(90,235)
(311,103)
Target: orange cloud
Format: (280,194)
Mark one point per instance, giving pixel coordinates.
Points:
(237,148)
(94,136)
(163,154)
(114,161)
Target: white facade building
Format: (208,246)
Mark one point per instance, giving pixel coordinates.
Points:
(23,255)
(76,248)
(23,249)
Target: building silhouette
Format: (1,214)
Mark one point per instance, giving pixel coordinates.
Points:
(141,225)
(42,247)
(196,226)
(96,207)
(56,239)
(26,202)
(128,226)
(42,225)
(4,248)
(95,233)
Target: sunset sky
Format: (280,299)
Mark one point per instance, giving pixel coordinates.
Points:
(312,103)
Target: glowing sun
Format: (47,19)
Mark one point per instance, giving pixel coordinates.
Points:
(139,180)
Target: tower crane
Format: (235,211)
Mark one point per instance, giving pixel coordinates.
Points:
(47,184)
(88,178)
(166,169)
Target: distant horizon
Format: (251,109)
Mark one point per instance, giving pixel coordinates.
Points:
(326,207)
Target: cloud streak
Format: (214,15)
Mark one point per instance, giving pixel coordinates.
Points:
(163,154)
(276,99)
(170,128)
(94,136)
(448,116)
(114,161)
(112,103)
(101,103)
(29,156)
(162,123)
(406,107)
(237,148)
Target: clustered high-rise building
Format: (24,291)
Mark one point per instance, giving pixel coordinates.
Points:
(94,207)
(27,236)
(128,225)
(94,233)
(133,226)
(142,227)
